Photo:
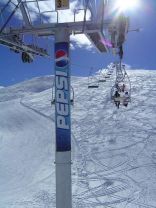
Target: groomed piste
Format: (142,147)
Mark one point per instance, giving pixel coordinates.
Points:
(113,150)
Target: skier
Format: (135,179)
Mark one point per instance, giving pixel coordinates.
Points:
(117,87)
(117,102)
(123,87)
(125,99)
(120,52)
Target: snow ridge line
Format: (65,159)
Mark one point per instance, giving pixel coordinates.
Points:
(36,111)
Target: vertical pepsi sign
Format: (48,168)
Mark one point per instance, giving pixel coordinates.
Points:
(62,97)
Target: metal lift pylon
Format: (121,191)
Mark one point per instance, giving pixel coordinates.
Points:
(93,29)
(63,123)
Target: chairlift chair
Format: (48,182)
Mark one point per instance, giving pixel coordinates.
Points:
(122,86)
(107,76)
(122,99)
(93,80)
(93,85)
(102,77)
(108,73)
(102,80)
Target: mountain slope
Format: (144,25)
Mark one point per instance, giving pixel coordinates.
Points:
(113,150)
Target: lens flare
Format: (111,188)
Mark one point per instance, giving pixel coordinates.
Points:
(107,43)
(123,5)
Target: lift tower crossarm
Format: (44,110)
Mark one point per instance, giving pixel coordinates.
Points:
(50,28)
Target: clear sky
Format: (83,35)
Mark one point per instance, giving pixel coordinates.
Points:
(139,52)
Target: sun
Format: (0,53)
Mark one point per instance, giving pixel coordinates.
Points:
(123,5)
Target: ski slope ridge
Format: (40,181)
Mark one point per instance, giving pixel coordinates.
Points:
(113,150)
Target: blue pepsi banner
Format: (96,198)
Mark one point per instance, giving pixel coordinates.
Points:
(62,97)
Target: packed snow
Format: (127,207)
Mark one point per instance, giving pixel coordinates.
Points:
(113,150)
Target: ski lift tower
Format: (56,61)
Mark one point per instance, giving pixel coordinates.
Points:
(104,34)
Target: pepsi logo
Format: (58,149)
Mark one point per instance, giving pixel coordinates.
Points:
(61,58)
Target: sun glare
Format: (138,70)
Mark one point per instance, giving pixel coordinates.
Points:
(123,5)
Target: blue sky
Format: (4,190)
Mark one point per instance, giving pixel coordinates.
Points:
(139,52)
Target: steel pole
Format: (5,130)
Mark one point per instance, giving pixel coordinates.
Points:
(62,116)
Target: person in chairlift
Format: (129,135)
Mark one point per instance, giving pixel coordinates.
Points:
(117,95)
(125,100)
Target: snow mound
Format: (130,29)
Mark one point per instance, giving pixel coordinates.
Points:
(113,150)
(34,85)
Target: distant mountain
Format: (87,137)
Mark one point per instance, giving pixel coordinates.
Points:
(113,150)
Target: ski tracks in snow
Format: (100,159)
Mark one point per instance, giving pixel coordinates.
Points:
(113,151)
(103,157)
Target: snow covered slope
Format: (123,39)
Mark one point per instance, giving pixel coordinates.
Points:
(113,150)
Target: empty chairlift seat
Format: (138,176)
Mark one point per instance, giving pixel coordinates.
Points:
(93,86)
(93,79)
(107,76)
(93,82)
(102,80)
